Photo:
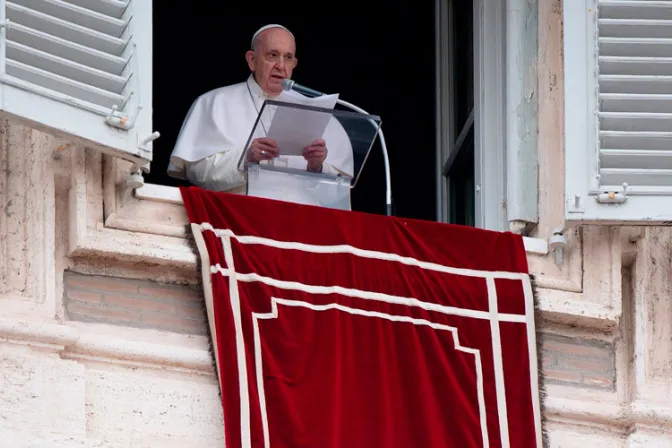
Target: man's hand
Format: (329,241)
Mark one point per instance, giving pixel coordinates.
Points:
(262,149)
(315,154)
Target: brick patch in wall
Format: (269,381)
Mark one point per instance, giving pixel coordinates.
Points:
(578,362)
(133,303)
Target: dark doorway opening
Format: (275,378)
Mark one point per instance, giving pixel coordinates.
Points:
(378,55)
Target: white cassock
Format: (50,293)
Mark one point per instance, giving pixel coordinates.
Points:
(217,128)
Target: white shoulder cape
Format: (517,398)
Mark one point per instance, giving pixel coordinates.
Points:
(221,120)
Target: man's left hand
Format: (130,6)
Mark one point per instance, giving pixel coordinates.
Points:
(315,153)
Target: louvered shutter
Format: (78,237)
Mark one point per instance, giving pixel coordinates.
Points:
(618,110)
(81,69)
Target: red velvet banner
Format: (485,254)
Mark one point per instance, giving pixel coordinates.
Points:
(340,329)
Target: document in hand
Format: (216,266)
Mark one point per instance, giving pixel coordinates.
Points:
(294,129)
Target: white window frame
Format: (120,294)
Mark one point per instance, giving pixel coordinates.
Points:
(489,119)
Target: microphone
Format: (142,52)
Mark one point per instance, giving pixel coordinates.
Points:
(288,84)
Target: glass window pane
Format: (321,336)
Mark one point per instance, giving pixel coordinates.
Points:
(461,185)
(463,62)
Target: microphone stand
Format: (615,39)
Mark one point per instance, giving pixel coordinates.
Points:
(288,84)
(386,160)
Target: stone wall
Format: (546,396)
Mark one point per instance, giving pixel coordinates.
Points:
(134,303)
(578,362)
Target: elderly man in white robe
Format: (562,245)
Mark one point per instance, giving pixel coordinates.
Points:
(219,123)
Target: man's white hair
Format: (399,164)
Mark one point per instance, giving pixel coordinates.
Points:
(264,28)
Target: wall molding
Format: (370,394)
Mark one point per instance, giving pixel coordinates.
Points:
(75,344)
(606,415)
(88,238)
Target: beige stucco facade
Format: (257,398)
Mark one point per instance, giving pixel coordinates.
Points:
(605,319)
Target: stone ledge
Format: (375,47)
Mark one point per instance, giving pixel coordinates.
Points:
(171,195)
(572,309)
(132,246)
(159,193)
(607,414)
(106,349)
(76,344)
(41,333)
(40,438)
(586,412)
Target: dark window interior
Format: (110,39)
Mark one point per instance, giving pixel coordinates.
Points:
(378,55)
(461,174)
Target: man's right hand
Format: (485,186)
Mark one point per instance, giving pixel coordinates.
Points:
(262,149)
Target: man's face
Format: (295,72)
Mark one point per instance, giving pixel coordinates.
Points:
(273,59)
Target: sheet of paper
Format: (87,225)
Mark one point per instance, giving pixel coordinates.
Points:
(294,129)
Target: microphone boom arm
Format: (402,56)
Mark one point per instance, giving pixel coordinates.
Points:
(386,160)
(288,84)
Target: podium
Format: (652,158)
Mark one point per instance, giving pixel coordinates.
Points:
(349,137)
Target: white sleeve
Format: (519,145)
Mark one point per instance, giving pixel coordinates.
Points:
(218,172)
(340,157)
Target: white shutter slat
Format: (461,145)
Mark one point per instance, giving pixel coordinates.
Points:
(112,8)
(66,68)
(640,9)
(648,177)
(632,102)
(613,65)
(81,69)
(636,159)
(635,122)
(635,95)
(63,85)
(635,84)
(641,140)
(65,30)
(635,28)
(67,50)
(627,46)
(76,14)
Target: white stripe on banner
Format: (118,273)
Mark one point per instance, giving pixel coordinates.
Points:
(347,249)
(532,352)
(234,294)
(368,295)
(500,387)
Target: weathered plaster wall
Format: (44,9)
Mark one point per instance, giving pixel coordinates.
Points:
(128,302)
(551,118)
(69,378)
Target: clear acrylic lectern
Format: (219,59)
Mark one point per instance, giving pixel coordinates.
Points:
(349,137)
